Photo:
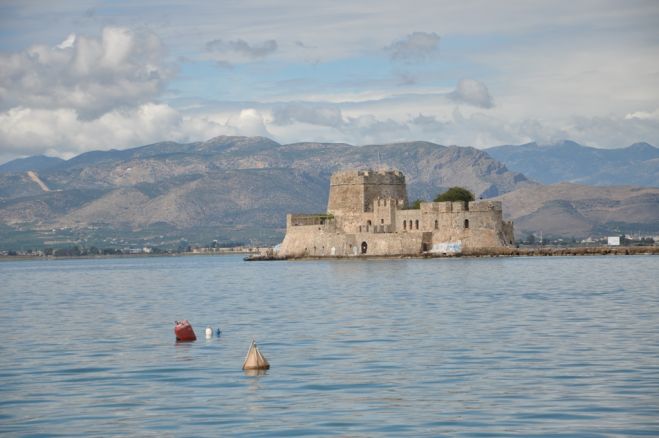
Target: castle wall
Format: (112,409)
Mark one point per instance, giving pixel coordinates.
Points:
(406,221)
(476,224)
(346,194)
(384,185)
(308,241)
(384,212)
(393,243)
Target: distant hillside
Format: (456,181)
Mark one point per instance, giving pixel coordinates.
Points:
(568,161)
(428,167)
(239,189)
(233,185)
(37,163)
(577,210)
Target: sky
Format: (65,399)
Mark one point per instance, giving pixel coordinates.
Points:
(93,75)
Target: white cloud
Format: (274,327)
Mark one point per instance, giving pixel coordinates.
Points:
(68,42)
(228,52)
(643,115)
(337,28)
(250,123)
(398,119)
(417,46)
(26,131)
(321,114)
(614,132)
(534,130)
(89,75)
(472,92)
(428,125)
(589,74)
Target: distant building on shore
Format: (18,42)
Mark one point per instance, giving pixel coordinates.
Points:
(613,240)
(368,214)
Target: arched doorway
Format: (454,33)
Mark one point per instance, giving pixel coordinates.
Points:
(364,247)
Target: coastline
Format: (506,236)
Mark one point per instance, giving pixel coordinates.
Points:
(488,252)
(5,258)
(481,252)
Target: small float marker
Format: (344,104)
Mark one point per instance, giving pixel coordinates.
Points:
(254,359)
(183,331)
(209,332)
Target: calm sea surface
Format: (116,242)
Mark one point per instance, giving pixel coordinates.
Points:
(555,346)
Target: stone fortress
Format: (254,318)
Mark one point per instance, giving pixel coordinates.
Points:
(368,215)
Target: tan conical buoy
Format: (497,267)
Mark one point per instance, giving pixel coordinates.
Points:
(254,359)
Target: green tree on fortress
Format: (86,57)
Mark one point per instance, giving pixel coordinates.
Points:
(455,194)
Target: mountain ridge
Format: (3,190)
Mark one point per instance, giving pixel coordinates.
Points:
(244,186)
(568,161)
(237,186)
(568,209)
(35,162)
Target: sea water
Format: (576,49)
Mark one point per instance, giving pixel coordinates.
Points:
(554,346)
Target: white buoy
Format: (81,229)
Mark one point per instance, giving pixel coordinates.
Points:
(209,332)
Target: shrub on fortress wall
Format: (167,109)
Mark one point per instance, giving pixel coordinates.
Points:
(455,194)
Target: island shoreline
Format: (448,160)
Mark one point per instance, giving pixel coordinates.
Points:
(484,252)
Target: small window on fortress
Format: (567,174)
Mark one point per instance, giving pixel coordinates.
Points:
(368,223)
(382,221)
(436,224)
(466,223)
(404,225)
(417,224)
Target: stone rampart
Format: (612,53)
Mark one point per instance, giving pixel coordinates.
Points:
(305,242)
(485,206)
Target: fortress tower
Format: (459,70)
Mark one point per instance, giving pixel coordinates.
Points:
(353,191)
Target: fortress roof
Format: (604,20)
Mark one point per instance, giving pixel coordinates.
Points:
(369,171)
(366,172)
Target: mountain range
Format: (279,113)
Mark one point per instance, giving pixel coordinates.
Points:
(568,161)
(576,210)
(240,189)
(36,163)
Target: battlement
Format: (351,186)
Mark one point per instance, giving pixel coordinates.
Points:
(388,202)
(485,206)
(367,176)
(460,206)
(299,220)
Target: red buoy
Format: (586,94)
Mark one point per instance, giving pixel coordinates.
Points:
(184,332)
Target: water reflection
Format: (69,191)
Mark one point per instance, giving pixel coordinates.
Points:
(255,373)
